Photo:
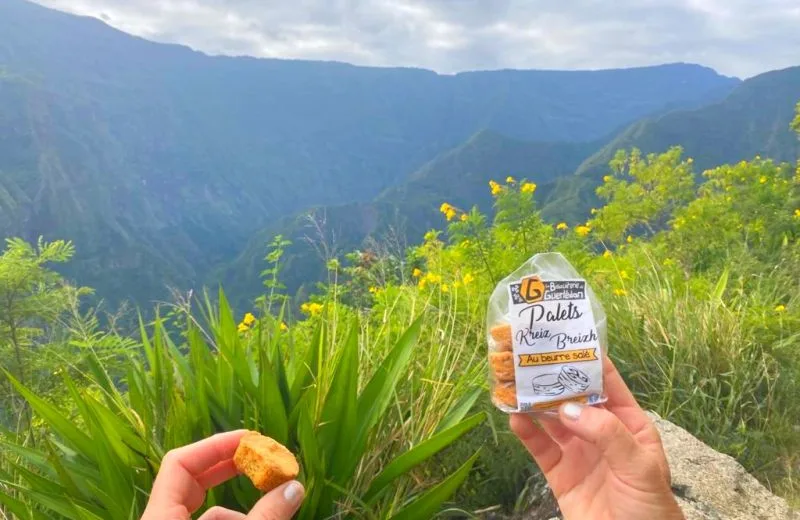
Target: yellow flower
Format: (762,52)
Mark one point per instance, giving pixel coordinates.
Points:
(468,279)
(248,319)
(562,226)
(422,283)
(624,275)
(464,217)
(445,207)
(450,215)
(433,278)
(528,187)
(762,179)
(445,288)
(629,239)
(797,213)
(242,328)
(496,188)
(311,308)
(284,327)
(510,179)
(416,273)
(607,254)
(607,178)
(780,308)
(620,292)
(373,290)
(582,231)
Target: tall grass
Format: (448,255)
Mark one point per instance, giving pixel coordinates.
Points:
(712,361)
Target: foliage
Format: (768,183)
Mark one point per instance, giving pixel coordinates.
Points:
(32,299)
(310,389)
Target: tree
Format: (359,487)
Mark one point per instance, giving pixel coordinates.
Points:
(32,298)
(796,122)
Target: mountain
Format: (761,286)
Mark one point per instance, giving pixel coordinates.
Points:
(752,120)
(161,162)
(404,212)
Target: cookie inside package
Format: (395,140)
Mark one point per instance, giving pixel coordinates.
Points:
(546,333)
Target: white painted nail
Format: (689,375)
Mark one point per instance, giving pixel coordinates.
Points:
(293,492)
(572,410)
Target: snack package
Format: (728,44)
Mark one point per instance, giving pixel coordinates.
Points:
(546,332)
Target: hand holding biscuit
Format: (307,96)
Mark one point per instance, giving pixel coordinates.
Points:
(187,473)
(602,462)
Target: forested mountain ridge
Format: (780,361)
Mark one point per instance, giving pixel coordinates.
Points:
(753,120)
(160,162)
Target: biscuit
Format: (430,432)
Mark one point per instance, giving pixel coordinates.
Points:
(501,334)
(502,365)
(265,461)
(505,394)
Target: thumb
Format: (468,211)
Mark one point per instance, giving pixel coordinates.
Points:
(279,504)
(604,430)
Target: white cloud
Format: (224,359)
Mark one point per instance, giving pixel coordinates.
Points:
(736,37)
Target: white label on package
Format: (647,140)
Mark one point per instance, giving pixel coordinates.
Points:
(557,352)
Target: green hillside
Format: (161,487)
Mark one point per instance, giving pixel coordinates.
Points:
(753,120)
(161,162)
(459,176)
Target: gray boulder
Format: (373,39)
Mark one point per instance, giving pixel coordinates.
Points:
(707,484)
(713,486)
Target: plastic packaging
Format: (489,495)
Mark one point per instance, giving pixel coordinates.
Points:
(546,333)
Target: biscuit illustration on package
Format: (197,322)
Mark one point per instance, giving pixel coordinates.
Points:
(573,379)
(265,461)
(502,365)
(501,334)
(547,384)
(506,394)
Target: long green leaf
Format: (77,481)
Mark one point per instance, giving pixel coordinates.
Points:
(460,409)
(79,440)
(378,393)
(431,502)
(339,419)
(307,370)
(420,453)
(15,506)
(276,422)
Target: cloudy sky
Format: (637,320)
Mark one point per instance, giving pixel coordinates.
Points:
(736,37)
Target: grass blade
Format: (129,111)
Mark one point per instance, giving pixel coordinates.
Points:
(431,502)
(420,453)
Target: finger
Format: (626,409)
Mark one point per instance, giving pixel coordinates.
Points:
(605,431)
(544,450)
(556,430)
(202,455)
(280,503)
(220,513)
(218,474)
(621,401)
(177,479)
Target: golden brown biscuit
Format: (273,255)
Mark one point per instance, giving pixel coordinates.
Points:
(502,365)
(265,461)
(506,394)
(501,334)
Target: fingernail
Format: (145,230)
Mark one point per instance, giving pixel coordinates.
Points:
(572,410)
(293,492)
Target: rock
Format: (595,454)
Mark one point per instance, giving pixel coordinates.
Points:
(707,484)
(713,486)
